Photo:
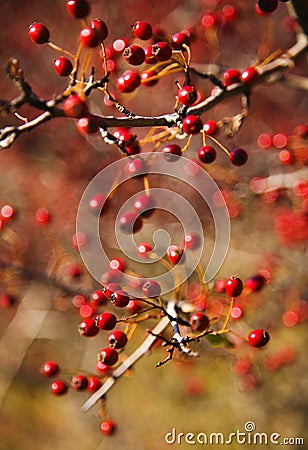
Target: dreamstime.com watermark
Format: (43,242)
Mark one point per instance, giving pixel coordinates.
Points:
(247,436)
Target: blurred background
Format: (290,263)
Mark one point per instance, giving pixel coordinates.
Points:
(267,199)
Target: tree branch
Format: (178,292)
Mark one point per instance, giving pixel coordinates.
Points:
(266,73)
(129,362)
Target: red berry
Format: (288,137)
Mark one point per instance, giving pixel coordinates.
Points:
(192,241)
(120,44)
(210,127)
(241,366)
(98,203)
(106,321)
(7,300)
(162,51)
(210,20)
(172,152)
(132,147)
(199,322)
(286,157)
(142,30)
(58,387)
(267,5)
(78,8)
(255,282)
(178,39)
(175,254)
(207,154)
(144,205)
(63,66)
(192,124)
(128,81)
(301,131)
(146,78)
(6,213)
(122,134)
(120,299)
(98,298)
(111,288)
(88,327)
(117,339)
(280,140)
(238,156)
(130,222)
(228,12)
(79,382)
(134,306)
(151,289)
(136,167)
(42,216)
(248,74)
(87,310)
(101,29)
(143,249)
(107,427)
(117,264)
(87,125)
(74,270)
(102,368)
(150,58)
(231,76)
(234,286)
(134,54)
(258,338)
(220,286)
(74,106)
(94,383)
(38,33)
(50,369)
(108,356)
(78,300)
(187,95)
(89,37)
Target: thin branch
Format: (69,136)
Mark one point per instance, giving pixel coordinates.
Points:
(129,362)
(9,134)
(296,81)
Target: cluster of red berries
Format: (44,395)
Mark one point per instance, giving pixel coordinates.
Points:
(159,51)
(79,382)
(292,147)
(94,311)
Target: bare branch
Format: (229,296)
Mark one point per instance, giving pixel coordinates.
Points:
(129,362)
(269,72)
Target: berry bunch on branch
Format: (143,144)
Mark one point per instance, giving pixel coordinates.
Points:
(180,302)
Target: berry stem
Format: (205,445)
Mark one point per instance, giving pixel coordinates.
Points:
(76,64)
(187,143)
(213,44)
(61,50)
(130,330)
(224,327)
(216,142)
(104,60)
(146,184)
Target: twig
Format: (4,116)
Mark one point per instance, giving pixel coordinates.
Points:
(130,361)
(9,134)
